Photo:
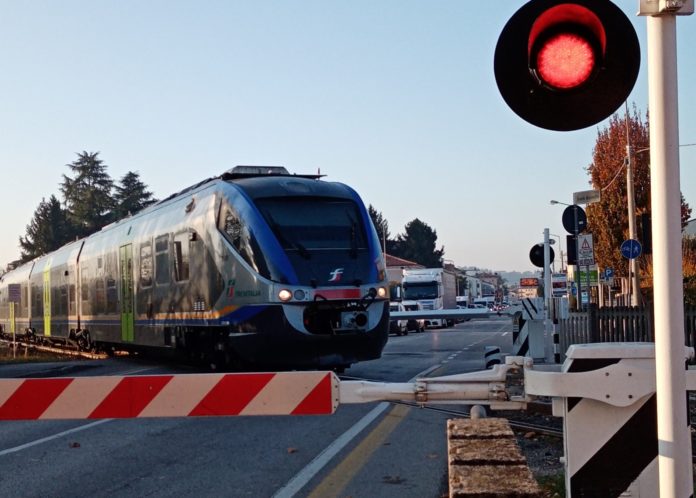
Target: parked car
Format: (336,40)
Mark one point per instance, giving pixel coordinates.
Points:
(398,327)
(414,324)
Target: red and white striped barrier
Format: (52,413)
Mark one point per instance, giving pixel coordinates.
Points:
(190,395)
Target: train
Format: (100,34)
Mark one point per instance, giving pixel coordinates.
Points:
(253,268)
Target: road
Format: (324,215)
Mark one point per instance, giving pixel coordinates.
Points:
(364,450)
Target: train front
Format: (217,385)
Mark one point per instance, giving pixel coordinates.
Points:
(308,286)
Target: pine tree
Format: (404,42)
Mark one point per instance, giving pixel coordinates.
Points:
(418,244)
(48,230)
(87,195)
(381,225)
(131,195)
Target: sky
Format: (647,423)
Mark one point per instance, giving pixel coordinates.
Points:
(396,98)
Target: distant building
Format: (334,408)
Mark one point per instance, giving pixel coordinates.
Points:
(395,267)
(395,274)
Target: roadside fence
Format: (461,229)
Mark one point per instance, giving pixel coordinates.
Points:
(617,324)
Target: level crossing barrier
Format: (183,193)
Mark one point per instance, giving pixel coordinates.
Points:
(604,392)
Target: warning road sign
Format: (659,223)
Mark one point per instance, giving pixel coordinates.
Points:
(585,250)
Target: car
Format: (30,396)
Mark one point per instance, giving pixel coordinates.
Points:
(414,324)
(398,327)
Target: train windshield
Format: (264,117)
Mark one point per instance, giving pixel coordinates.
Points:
(304,225)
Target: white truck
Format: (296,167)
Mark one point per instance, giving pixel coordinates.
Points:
(433,289)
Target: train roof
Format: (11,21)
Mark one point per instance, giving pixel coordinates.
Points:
(242,172)
(293,186)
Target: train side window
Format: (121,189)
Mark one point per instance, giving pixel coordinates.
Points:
(146,265)
(64,300)
(84,281)
(72,298)
(234,230)
(181,256)
(162,259)
(111,295)
(100,296)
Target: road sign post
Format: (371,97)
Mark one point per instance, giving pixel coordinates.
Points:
(631,249)
(574,221)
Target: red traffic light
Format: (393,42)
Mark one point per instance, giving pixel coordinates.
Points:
(565,61)
(566,65)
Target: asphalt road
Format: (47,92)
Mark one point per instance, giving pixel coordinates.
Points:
(363,450)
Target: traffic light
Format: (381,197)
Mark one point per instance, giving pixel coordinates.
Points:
(536,255)
(646,233)
(566,64)
(571,244)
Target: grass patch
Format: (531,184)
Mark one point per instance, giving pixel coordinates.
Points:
(552,486)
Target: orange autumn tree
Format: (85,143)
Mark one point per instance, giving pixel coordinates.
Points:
(608,219)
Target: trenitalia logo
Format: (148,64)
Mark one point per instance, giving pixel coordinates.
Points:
(336,275)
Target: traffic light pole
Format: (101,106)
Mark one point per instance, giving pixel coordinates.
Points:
(674,438)
(548,299)
(578,279)
(633,279)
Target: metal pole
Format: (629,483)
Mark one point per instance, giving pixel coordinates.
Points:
(577,258)
(548,298)
(674,439)
(632,234)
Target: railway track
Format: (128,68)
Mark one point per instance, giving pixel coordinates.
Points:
(24,348)
(527,426)
(538,423)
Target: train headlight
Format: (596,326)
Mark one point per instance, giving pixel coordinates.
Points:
(300,295)
(381,292)
(361,319)
(284,295)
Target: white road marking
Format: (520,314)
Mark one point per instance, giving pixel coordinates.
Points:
(54,436)
(322,459)
(70,431)
(314,467)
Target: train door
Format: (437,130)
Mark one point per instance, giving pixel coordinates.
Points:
(47,299)
(126,292)
(13,325)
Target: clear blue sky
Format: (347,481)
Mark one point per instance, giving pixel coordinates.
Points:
(395,98)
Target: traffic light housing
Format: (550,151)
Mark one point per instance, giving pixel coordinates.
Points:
(536,255)
(566,65)
(646,233)
(572,252)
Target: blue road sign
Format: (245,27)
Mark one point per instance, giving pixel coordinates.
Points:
(631,249)
(608,273)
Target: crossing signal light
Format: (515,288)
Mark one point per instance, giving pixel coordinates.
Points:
(572,253)
(565,65)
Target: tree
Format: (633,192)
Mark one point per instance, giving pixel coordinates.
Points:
(608,218)
(380,223)
(688,272)
(131,195)
(418,244)
(87,195)
(48,230)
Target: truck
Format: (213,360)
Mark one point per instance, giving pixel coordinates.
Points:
(433,289)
